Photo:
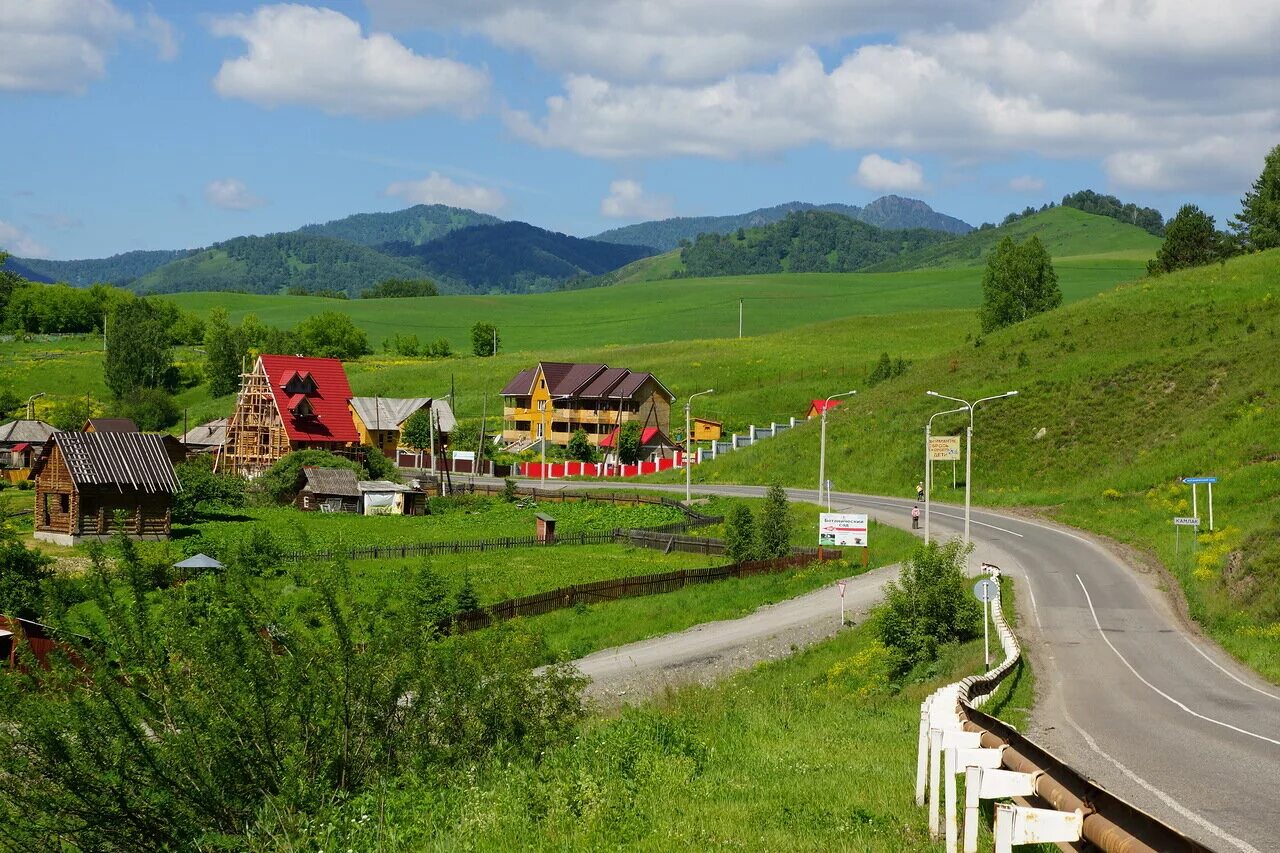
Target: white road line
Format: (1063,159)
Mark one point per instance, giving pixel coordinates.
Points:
(1228,673)
(1137,675)
(1243,846)
(1036,610)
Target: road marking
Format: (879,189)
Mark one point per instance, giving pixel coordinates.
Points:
(1137,675)
(1243,846)
(1036,610)
(854,501)
(1228,673)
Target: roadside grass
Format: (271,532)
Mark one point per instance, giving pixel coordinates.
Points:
(1120,396)
(815,752)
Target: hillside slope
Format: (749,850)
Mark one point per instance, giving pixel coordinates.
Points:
(419,224)
(118,269)
(1065,232)
(276,262)
(514,257)
(887,212)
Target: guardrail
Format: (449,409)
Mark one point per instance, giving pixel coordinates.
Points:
(1054,804)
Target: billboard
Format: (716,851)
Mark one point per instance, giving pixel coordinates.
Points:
(944,448)
(842,528)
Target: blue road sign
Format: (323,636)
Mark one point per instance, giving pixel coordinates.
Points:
(1191,480)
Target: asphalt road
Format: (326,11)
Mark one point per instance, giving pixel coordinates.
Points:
(1129,694)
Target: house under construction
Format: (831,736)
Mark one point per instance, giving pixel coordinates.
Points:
(287,403)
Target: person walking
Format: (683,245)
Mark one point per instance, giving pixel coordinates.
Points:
(919,491)
(915,518)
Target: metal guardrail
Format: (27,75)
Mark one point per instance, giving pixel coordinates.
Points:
(1053,802)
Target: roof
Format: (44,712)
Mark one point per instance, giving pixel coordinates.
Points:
(650,435)
(821,406)
(21,446)
(32,432)
(199,561)
(331,420)
(331,481)
(381,486)
(386,412)
(137,460)
(707,421)
(582,381)
(110,425)
(209,434)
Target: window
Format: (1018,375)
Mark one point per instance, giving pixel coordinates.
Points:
(64,503)
(539,430)
(542,405)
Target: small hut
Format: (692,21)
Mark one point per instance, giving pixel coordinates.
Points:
(20,443)
(383,497)
(206,438)
(91,485)
(329,490)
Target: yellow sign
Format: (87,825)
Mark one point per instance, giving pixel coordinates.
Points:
(944,448)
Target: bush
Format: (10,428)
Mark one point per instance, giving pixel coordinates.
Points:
(22,574)
(379,467)
(203,490)
(739,535)
(485,339)
(509,493)
(775,525)
(282,481)
(580,449)
(930,604)
(629,448)
(440,348)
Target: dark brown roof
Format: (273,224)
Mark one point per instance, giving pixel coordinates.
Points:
(110,425)
(136,460)
(521,385)
(582,381)
(332,481)
(605,382)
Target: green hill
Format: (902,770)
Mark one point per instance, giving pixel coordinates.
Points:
(419,224)
(1065,232)
(276,262)
(118,269)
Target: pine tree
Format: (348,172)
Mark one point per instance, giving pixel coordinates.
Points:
(1258,224)
(775,525)
(1190,240)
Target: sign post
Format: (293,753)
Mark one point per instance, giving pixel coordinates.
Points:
(844,528)
(1195,481)
(985,590)
(938,448)
(840,584)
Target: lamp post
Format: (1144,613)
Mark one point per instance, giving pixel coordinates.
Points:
(928,466)
(31,406)
(968,446)
(822,448)
(431,419)
(688,436)
(546,428)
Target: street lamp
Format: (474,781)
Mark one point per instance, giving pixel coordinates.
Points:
(928,466)
(688,471)
(546,428)
(822,448)
(31,409)
(431,419)
(968,446)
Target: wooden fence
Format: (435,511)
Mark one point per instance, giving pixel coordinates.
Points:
(629,587)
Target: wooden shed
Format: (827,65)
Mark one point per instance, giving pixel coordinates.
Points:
(707,430)
(91,485)
(329,490)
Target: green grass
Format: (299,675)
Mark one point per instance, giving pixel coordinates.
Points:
(1064,231)
(1134,389)
(816,752)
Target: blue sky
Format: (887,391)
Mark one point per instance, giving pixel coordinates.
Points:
(167,125)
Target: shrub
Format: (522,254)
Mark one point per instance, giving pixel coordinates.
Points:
(509,493)
(580,449)
(928,605)
(775,525)
(204,491)
(22,574)
(629,448)
(378,466)
(281,482)
(739,535)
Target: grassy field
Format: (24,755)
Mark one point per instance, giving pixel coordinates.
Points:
(1120,396)
(816,752)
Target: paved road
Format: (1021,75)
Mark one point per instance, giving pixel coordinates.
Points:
(1129,694)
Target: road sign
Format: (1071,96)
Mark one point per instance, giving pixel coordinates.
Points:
(842,528)
(986,590)
(1191,481)
(944,448)
(1186,521)
(464,456)
(841,585)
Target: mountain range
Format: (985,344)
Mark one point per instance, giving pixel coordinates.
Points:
(464,251)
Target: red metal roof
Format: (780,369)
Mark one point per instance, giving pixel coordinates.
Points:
(646,437)
(819,406)
(332,419)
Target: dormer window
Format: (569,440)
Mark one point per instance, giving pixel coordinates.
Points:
(300,406)
(299,383)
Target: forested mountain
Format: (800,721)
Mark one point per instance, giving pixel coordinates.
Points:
(805,241)
(276,262)
(419,224)
(118,269)
(514,257)
(1063,231)
(890,211)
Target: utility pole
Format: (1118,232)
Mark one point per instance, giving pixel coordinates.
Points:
(822,449)
(688,435)
(739,318)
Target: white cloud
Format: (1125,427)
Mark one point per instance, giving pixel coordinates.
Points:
(231,194)
(1026,184)
(163,35)
(1206,163)
(18,242)
(57,45)
(438,189)
(319,58)
(878,173)
(628,200)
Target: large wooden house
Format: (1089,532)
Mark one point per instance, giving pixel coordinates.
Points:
(92,485)
(555,399)
(287,403)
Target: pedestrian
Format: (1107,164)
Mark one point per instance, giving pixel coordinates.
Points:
(919,491)
(915,518)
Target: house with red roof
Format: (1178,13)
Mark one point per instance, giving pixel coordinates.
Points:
(817,407)
(654,445)
(288,403)
(555,399)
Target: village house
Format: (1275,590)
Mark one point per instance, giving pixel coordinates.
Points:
(380,420)
(91,485)
(205,438)
(329,490)
(654,445)
(20,443)
(288,403)
(555,399)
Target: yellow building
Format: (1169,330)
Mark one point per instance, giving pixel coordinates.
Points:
(379,420)
(555,399)
(705,430)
